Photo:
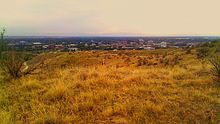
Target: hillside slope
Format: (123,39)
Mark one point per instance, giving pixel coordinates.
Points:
(161,86)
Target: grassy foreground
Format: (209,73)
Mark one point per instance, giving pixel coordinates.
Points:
(165,86)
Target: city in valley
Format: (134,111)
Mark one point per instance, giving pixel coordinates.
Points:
(103,43)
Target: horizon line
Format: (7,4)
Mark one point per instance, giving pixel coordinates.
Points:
(112,36)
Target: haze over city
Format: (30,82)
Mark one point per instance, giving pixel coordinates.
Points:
(111,18)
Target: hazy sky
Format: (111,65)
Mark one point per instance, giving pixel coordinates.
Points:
(110,17)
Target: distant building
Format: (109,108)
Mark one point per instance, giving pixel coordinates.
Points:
(59,47)
(190,45)
(93,44)
(163,44)
(180,44)
(45,46)
(86,45)
(149,48)
(128,47)
(37,45)
(72,45)
(51,46)
(22,42)
(73,49)
(150,41)
(141,40)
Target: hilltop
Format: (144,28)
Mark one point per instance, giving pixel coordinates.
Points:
(158,86)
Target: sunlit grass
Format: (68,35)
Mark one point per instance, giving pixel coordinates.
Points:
(88,90)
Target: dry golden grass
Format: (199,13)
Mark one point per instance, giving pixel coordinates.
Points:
(113,87)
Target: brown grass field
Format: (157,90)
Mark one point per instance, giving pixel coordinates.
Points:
(113,87)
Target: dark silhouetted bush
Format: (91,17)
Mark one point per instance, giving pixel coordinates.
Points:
(215,61)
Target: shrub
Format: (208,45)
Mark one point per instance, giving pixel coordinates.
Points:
(188,51)
(14,63)
(11,64)
(202,52)
(215,61)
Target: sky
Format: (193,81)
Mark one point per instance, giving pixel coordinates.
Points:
(110,17)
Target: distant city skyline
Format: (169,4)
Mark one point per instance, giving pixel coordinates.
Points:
(110,18)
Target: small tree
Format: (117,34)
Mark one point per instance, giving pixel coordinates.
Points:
(2,43)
